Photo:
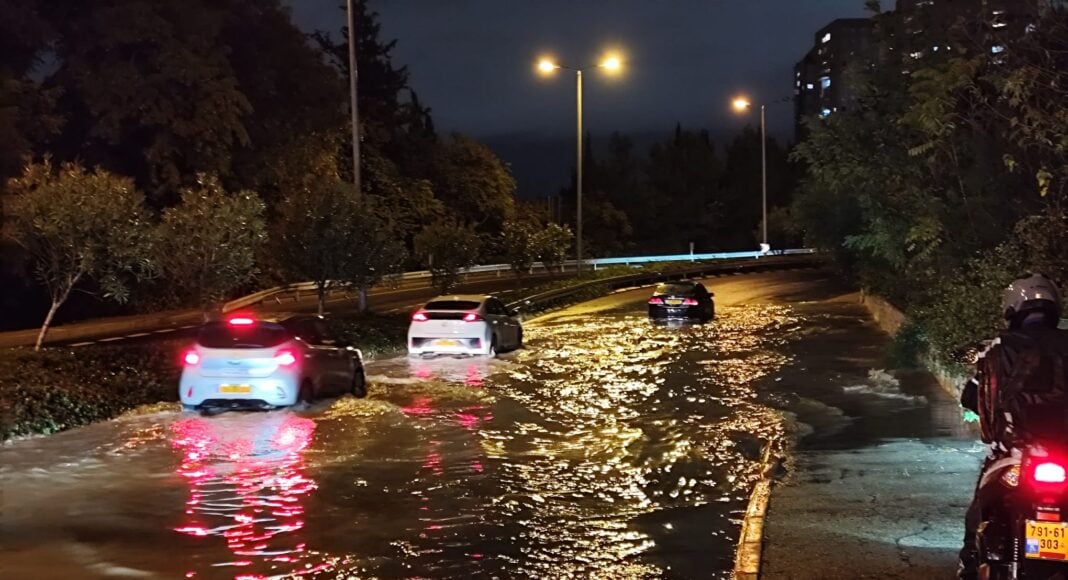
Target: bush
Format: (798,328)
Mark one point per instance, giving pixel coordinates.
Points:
(53,390)
(375,335)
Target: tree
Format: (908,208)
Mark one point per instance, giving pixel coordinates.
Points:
(148,90)
(474,184)
(519,244)
(327,236)
(80,226)
(446,247)
(209,241)
(553,243)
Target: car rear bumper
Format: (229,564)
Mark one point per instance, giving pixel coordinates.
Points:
(676,312)
(444,345)
(272,391)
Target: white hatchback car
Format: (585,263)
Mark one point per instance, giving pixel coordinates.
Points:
(480,325)
(244,362)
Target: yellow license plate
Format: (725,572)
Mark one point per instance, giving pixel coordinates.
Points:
(235,389)
(447,342)
(1046,540)
(674,302)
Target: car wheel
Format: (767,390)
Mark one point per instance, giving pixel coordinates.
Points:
(359,384)
(307,392)
(493,347)
(519,340)
(189,408)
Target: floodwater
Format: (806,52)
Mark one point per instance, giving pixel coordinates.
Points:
(609,447)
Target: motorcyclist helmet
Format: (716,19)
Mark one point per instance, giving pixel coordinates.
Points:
(1031,300)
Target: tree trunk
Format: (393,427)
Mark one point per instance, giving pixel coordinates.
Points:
(363,299)
(321,288)
(47,322)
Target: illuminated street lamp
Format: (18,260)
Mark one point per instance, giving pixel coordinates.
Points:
(547,66)
(742,104)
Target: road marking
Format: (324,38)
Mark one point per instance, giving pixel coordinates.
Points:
(112,339)
(190,326)
(166,330)
(138,335)
(83,343)
(750,542)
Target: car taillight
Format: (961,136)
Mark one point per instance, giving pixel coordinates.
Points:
(285,358)
(1049,472)
(656,300)
(420,317)
(689,302)
(191,358)
(472,317)
(241,321)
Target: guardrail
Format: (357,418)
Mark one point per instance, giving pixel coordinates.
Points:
(537,267)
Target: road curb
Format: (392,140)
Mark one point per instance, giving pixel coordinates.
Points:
(751,541)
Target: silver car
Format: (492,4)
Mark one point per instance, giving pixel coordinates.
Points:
(245,362)
(464,324)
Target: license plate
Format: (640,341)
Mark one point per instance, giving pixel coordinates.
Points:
(1046,540)
(447,342)
(235,389)
(674,302)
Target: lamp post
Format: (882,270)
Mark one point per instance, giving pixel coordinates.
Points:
(547,67)
(743,104)
(351,16)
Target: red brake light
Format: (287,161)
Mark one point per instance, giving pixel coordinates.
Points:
(689,302)
(191,358)
(420,316)
(656,300)
(285,358)
(241,321)
(1049,472)
(472,317)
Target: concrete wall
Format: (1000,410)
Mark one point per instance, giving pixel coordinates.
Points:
(890,319)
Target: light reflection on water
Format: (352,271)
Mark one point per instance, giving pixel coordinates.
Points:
(247,483)
(610,447)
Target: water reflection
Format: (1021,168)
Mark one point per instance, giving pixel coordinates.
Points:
(247,482)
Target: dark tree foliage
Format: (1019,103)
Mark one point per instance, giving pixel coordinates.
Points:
(945,183)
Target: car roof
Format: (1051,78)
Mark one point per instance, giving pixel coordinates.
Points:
(462,297)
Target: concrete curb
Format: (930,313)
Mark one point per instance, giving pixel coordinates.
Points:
(747,557)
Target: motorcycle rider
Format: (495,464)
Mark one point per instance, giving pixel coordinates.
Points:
(1032,309)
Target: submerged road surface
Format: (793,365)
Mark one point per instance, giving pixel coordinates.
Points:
(608,447)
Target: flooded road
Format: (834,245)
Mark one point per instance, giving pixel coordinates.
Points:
(609,447)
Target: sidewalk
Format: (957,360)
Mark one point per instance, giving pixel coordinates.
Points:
(889,508)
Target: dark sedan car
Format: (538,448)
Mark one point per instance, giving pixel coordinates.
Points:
(683,300)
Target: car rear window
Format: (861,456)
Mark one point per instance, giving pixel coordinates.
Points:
(221,335)
(676,289)
(452,305)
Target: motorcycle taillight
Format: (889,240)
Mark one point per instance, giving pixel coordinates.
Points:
(1045,472)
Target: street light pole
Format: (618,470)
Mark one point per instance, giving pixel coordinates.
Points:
(743,104)
(548,66)
(764,172)
(352,95)
(578,173)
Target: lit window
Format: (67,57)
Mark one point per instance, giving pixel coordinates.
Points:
(917,55)
(799,84)
(827,37)
(1030,28)
(1000,24)
(825,82)
(825,113)
(810,86)
(934,48)
(998,12)
(997,49)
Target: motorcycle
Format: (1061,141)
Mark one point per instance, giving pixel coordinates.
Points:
(1024,532)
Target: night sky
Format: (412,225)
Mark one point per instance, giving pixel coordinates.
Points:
(472,61)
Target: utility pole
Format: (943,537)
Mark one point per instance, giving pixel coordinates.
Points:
(355,110)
